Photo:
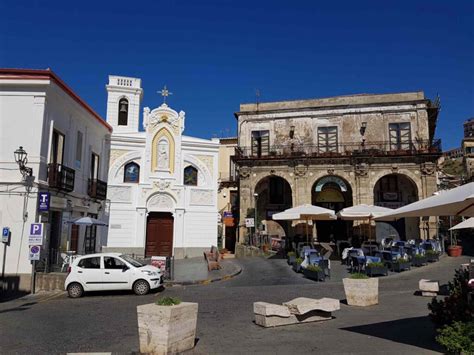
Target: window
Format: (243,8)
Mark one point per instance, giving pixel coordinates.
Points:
(79,150)
(57,148)
(90,237)
(327,139)
(94,166)
(190,176)
(131,172)
(90,263)
(400,136)
(260,143)
(113,263)
(123,112)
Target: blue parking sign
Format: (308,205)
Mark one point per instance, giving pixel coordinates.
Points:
(5,234)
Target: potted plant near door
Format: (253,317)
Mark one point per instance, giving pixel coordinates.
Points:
(454,250)
(314,272)
(291,257)
(297,264)
(167,326)
(361,290)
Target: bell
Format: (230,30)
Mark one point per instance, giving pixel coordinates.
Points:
(123,107)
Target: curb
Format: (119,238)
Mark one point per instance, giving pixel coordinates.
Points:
(206,281)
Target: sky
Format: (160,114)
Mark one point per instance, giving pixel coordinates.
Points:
(214,55)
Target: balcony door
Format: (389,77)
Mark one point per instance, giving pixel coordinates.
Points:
(260,143)
(57,148)
(400,136)
(94,166)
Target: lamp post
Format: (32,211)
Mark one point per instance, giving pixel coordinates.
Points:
(255,195)
(21,158)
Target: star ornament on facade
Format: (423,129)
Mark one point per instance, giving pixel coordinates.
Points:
(165,93)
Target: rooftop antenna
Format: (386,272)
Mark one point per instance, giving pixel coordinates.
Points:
(257,97)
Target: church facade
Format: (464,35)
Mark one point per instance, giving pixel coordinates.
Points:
(162,184)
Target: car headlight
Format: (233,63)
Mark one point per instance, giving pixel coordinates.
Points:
(150,273)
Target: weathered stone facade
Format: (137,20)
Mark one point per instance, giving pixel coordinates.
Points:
(290,140)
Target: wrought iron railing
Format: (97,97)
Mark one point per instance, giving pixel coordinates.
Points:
(382,148)
(61,177)
(97,189)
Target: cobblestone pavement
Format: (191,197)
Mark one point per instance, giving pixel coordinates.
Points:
(106,322)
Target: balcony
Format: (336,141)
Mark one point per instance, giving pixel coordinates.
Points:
(61,177)
(343,150)
(97,189)
(228,180)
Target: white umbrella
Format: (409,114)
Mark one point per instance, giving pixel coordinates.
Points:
(88,221)
(305,212)
(468,223)
(362,212)
(455,202)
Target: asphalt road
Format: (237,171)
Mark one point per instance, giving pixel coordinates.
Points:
(107,322)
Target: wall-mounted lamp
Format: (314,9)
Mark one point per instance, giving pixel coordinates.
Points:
(292,132)
(21,158)
(363,127)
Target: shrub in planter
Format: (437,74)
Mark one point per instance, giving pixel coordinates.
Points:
(291,257)
(457,338)
(376,268)
(418,260)
(361,290)
(432,255)
(297,264)
(454,307)
(167,326)
(401,265)
(314,272)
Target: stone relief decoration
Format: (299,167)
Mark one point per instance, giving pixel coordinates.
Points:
(428,168)
(119,193)
(162,159)
(244,172)
(115,154)
(272,171)
(160,201)
(163,151)
(163,115)
(300,170)
(208,162)
(394,169)
(161,184)
(361,169)
(330,171)
(202,197)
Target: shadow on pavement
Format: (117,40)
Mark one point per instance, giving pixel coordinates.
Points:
(416,331)
(91,294)
(20,308)
(10,288)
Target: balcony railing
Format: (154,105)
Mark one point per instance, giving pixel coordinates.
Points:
(384,148)
(61,177)
(97,189)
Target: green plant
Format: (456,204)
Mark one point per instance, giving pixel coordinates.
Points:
(455,307)
(457,338)
(359,276)
(431,252)
(298,261)
(291,253)
(419,256)
(314,268)
(167,301)
(375,264)
(401,261)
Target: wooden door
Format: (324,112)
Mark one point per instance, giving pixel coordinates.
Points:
(74,238)
(159,234)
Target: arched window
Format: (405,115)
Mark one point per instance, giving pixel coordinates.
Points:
(123,112)
(190,176)
(131,172)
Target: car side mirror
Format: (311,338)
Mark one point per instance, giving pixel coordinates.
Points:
(125,268)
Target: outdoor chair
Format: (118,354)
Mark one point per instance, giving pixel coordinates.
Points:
(357,263)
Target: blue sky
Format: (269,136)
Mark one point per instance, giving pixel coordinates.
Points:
(213,55)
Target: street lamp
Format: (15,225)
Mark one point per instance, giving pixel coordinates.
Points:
(255,195)
(21,158)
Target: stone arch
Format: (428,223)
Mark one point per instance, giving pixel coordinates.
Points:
(116,170)
(414,178)
(163,134)
(204,175)
(161,202)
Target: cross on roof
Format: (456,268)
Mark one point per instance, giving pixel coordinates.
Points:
(165,93)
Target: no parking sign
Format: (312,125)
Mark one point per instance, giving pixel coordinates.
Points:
(34,253)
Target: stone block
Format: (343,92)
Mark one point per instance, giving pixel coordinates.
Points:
(270,309)
(429,288)
(361,292)
(274,321)
(167,329)
(303,305)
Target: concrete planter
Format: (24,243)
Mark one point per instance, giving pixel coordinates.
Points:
(378,270)
(167,329)
(296,267)
(432,257)
(420,261)
(314,275)
(361,292)
(291,259)
(399,267)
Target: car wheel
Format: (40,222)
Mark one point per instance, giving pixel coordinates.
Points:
(75,290)
(141,287)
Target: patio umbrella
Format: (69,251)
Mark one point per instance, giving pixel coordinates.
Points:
(455,202)
(362,212)
(87,221)
(468,223)
(306,213)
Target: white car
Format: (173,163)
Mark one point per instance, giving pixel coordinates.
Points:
(110,271)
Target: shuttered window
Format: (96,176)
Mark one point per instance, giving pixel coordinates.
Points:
(327,139)
(260,143)
(400,136)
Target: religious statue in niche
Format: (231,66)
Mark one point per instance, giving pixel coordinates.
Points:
(163,155)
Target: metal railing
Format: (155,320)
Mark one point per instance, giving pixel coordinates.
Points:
(61,177)
(363,148)
(97,189)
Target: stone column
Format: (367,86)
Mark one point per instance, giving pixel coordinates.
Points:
(140,237)
(179,237)
(362,190)
(429,186)
(245,200)
(301,191)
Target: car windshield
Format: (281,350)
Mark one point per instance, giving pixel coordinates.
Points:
(132,261)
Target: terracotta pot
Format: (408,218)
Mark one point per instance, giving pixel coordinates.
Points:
(455,250)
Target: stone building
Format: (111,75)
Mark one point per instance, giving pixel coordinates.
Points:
(162,183)
(337,152)
(467,147)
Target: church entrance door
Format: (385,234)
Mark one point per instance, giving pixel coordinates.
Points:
(159,234)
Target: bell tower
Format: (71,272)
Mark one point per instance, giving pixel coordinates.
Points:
(123,103)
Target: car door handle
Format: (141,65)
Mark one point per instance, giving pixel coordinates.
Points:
(79,272)
(108,273)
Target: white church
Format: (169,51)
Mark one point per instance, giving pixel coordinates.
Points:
(162,184)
